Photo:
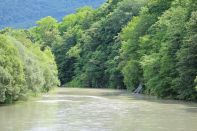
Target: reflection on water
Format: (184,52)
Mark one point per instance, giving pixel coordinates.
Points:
(98,110)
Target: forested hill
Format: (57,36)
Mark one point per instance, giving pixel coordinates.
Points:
(121,45)
(24,13)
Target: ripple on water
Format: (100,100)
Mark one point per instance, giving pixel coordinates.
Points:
(55,101)
(98,110)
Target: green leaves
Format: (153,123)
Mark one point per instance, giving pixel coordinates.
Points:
(12,75)
(47,33)
(120,45)
(187,61)
(161,41)
(24,68)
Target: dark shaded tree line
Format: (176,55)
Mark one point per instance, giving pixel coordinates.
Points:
(124,43)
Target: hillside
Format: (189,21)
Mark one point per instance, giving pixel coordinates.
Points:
(24,13)
(124,44)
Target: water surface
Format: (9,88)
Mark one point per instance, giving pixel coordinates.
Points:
(98,110)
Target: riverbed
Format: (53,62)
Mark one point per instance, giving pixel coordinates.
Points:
(78,109)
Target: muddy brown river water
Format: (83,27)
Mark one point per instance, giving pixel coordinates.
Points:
(98,110)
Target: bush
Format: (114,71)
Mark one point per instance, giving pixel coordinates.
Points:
(24,68)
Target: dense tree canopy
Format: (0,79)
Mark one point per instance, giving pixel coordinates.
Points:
(24,68)
(121,45)
(125,43)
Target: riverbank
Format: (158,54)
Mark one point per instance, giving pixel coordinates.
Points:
(30,97)
(93,91)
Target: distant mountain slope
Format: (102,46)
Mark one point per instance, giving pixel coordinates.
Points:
(24,13)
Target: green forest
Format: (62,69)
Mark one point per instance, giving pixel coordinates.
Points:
(120,45)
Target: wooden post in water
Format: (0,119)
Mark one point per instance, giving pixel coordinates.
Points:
(139,89)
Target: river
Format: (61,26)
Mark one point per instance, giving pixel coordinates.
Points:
(76,109)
